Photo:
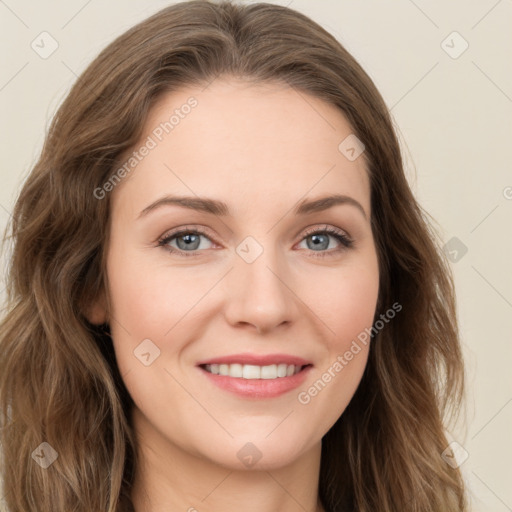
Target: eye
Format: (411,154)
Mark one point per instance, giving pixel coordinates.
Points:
(188,241)
(320,240)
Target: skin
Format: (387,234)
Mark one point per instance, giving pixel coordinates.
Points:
(260,149)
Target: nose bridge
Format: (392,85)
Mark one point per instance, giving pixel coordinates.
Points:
(257,292)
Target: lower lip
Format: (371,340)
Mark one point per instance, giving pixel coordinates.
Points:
(258,388)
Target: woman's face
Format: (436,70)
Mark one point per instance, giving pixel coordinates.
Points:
(248,286)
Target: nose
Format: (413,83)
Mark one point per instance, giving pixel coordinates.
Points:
(259,294)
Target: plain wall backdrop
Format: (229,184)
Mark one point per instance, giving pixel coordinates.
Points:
(442,70)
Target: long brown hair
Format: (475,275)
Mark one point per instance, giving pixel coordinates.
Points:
(59,382)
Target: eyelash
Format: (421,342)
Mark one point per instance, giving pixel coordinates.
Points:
(344,240)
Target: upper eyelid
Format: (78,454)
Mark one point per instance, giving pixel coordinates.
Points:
(325,227)
(186,229)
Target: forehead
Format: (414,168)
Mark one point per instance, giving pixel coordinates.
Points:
(243,143)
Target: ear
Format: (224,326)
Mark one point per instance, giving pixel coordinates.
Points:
(96,313)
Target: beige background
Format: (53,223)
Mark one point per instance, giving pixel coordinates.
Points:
(454,117)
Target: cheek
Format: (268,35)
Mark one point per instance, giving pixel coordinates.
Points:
(148,299)
(347,306)
(348,300)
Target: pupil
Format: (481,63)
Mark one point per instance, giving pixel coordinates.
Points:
(318,242)
(188,240)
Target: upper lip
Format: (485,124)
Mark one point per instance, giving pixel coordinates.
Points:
(257,359)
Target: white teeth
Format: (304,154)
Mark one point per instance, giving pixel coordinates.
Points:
(281,370)
(235,370)
(251,371)
(269,372)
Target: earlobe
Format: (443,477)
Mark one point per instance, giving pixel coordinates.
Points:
(96,314)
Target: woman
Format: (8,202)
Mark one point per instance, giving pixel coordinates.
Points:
(222,287)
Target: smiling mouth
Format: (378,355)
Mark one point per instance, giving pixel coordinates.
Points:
(254,372)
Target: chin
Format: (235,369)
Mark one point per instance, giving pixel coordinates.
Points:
(256,453)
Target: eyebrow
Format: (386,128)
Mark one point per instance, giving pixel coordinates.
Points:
(220,208)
